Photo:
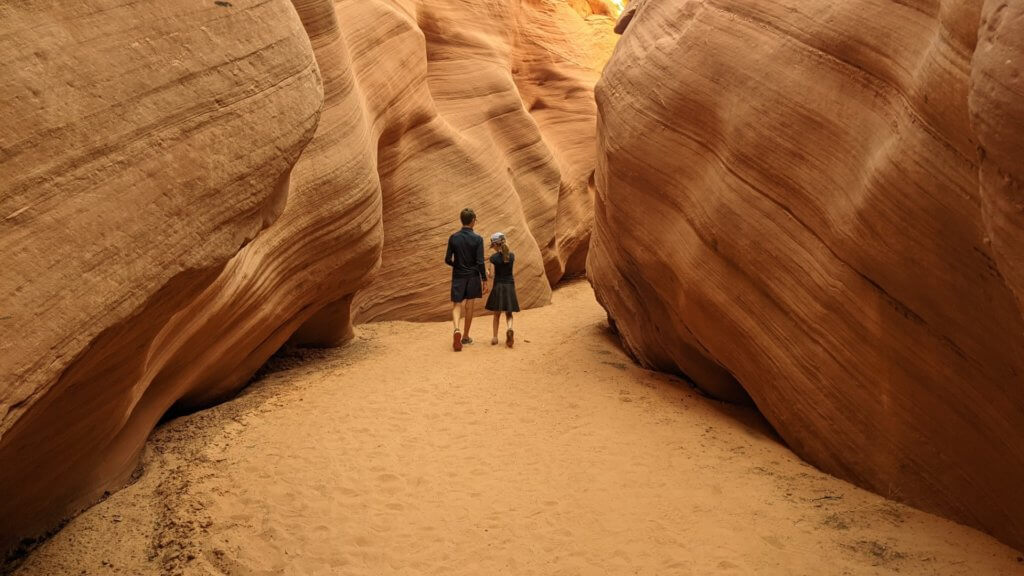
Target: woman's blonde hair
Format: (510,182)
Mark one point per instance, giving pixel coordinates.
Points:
(498,239)
(504,250)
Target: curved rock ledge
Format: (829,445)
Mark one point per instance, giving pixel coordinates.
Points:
(186,187)
(795,201)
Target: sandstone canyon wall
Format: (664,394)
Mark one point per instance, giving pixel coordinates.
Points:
(500,117)
(819,204)
(135,164)
(186,187)
(997,116)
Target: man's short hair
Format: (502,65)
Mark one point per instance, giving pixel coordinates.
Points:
(467,216)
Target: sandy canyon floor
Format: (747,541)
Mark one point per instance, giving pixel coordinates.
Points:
(394,455)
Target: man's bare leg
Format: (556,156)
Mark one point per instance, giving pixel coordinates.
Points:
(456,313)
(470,305)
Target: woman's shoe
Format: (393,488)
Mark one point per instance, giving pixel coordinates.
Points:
(510,337)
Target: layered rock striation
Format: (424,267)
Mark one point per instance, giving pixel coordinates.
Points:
(997,117)
(184,188)
(495,111)
(135,163)
(818,204)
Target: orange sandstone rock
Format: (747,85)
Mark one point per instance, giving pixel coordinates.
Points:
(485,104)
(997,116)
(557,60)
(164,235)
(144,144)
(791,205)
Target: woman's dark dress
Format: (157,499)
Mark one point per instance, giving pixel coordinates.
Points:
(503,295)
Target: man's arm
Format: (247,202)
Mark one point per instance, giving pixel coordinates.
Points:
(480,261)
(449,256)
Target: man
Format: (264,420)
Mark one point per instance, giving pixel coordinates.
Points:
(469,275)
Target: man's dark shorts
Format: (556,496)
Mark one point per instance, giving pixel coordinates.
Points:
(466,288)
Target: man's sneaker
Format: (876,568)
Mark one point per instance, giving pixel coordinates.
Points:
(457,341)
(467,340)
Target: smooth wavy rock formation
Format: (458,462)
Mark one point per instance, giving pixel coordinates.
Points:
(794,200)
(485,104)
(997,116)
(165,237)
(555,80)
(143,145)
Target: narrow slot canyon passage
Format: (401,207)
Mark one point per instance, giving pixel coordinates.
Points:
(393,455)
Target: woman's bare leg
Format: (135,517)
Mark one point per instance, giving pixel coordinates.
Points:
(497,320)
(509,335)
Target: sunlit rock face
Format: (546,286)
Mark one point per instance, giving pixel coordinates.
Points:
(186,187)
(997,117)
(494,111)
(555,79)
(818,204)
(143,145)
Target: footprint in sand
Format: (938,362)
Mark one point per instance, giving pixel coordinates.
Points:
(390,483)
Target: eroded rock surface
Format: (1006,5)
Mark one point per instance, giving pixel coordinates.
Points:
(997,116)
(555,80)
(185,187)
(134,163)
(494,111)
(793,203)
